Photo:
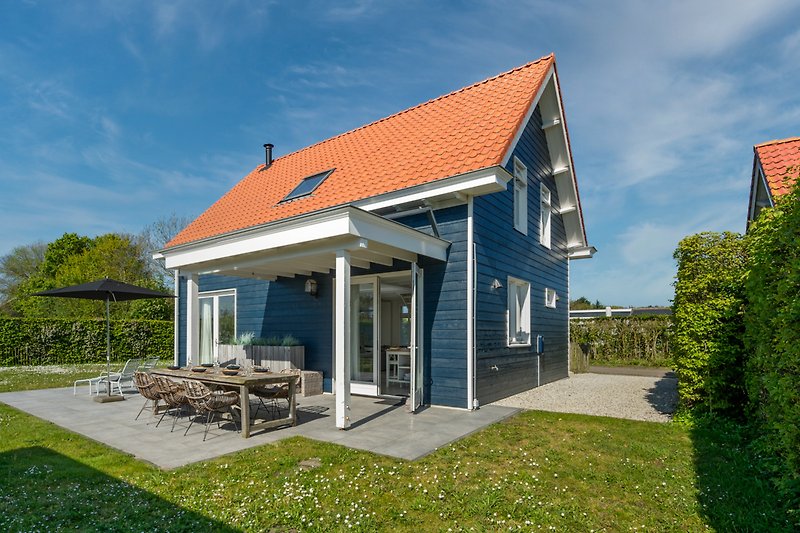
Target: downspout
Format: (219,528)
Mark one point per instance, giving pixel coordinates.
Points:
(471,400)
(176,327)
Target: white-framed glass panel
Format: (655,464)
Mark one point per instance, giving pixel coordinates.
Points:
(520,196)
(545,214)
(519,312)
(362,332)
(550,297)
(217,323)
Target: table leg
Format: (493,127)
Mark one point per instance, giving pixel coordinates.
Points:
(244,398)
(293,401)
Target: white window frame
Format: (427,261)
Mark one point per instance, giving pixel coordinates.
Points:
(518,313)
(545,216)
(550,297)
(520,196)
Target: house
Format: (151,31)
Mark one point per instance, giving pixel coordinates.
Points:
(424,255)
(775,166)
(585,314)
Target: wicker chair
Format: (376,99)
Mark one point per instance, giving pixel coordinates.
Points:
(147,388)
(174,395)
(208,402)
(268,396)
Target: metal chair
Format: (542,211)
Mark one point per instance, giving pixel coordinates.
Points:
(174,395)
(149,364)
(148,389)
(208,402)
(268,396)
(118,378)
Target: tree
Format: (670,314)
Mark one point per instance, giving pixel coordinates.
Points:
(583,303)
(16,268)
(155,237)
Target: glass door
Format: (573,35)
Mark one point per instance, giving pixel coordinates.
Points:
(364,337)
(217,324)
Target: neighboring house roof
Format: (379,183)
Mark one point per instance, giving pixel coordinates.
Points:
(776,164)
(465,131)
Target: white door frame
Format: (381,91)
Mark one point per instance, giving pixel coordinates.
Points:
(215,296)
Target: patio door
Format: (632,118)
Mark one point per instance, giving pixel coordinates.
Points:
(415,349)
(217,323)
(364,336)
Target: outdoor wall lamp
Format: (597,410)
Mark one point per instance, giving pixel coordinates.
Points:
(496,284)
(311,287)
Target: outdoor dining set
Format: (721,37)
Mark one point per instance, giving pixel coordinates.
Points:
(205,391)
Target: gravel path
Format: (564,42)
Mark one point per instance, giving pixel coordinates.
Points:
(651,399)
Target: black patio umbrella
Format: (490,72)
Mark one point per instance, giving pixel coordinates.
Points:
(106,289)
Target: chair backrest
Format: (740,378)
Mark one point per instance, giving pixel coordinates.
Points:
(197,393)
(147,387)
(131,366)
(171,392)
(149,364)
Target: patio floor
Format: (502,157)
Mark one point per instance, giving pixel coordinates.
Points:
(380,425)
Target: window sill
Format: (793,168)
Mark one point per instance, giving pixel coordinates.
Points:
(518,345)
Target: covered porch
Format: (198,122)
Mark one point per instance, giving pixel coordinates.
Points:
(326,243)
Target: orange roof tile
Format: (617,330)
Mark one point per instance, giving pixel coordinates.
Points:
(460,132)
(780,161)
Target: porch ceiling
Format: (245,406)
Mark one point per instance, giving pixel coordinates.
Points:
(306,245)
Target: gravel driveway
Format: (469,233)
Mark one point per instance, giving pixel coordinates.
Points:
(651,399)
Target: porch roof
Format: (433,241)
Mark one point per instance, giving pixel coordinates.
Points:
(306,244)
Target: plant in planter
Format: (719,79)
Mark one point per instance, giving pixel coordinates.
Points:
(275,352)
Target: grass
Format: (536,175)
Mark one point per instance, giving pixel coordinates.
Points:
(47,377)
(539,471)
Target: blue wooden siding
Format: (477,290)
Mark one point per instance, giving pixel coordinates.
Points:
(502,251)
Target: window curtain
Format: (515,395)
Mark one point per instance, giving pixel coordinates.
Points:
(206,330)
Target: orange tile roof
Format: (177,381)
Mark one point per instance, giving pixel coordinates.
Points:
(463,131)
(780,161)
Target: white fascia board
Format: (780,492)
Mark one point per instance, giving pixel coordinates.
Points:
(758,179)
(582,252)
(347,225)
(476,183)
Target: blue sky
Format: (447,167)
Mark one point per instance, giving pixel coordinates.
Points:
(114,114)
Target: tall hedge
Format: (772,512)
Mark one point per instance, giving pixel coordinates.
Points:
(59,341)
(628,340)
(708,314)
(773,332)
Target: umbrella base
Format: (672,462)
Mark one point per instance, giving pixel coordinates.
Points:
(106,398)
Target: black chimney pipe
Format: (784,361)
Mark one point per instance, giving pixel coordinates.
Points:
(268,154)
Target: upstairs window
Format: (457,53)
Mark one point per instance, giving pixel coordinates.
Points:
(308,185)
(519,312)
(544,217)
(520,197)
(550,298)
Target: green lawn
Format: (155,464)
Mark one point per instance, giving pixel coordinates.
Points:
(538,471)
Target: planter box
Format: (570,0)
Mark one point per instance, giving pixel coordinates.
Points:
(276,358)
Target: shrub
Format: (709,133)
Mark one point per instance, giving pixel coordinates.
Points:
(773,333)
(41,341)
(708,321)
(634,340)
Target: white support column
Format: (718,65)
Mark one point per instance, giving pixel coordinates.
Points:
(470,306)
(192,319)
(342,348)
(176,318)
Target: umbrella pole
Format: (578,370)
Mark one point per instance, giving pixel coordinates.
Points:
(108,350)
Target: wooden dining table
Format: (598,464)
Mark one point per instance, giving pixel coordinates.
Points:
(244,381)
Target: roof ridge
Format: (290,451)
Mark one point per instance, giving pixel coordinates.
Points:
(551,55)
(777,141)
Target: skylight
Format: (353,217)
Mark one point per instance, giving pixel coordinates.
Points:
(308,185)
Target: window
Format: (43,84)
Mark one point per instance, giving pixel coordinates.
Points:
(550,298)
(308,185)
(519,312)
(520,197)
(544,216)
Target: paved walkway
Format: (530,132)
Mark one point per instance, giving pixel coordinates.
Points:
(646,398)
(379,425)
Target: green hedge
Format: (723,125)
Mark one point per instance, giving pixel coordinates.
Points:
(633,340)
(773,334)
(60,341)
(708,317)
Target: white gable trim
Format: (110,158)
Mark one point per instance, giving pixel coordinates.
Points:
(758,179)
(553,124)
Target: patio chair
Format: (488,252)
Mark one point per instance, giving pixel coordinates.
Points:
(268,397)
(147,388)
(208,402)
(149,364)
(174,396)
(123,376)
(96,381)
